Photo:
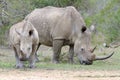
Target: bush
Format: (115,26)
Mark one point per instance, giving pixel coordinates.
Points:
(106,20)
(103,13)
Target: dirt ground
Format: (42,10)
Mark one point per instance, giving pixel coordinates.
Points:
(58,75)
(42,74)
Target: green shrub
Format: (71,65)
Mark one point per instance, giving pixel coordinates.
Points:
(103,13)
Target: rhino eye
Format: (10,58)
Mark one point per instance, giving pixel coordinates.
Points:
(82,49)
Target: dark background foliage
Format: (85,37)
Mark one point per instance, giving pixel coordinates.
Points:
(104,14)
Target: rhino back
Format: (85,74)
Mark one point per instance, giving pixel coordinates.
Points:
(55,23)
(45,20)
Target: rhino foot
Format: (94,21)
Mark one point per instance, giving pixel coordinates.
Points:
(71,62)
(55,61)
(18,66)
(31,66)
(37,60)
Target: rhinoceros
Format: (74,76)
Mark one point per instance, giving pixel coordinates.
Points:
(58,27)
(24,41)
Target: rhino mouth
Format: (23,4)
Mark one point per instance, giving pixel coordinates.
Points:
(23,59)
(86,62)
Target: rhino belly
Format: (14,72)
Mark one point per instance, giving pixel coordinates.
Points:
(45,40)
(45,36)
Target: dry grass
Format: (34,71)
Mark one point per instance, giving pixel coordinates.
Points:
(100,70)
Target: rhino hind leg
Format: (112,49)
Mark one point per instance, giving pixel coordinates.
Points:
(19,63)
(71,54)
(57,45)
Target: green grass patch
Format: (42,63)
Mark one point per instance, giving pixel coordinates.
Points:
(113,63)
(98,65)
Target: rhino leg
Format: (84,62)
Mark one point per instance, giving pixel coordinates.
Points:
(32,61)
(36,56)
(57,45)
(19,63)
(32,58)
(71,54)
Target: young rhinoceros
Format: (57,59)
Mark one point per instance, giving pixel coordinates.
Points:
(24,41)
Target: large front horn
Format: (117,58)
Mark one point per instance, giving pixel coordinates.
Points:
(103,58)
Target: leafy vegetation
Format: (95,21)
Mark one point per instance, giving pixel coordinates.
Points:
(107,20)
(104,14)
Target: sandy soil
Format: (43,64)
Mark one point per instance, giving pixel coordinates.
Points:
(58,75)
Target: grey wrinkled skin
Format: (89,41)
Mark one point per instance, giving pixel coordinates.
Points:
(62,26)
(24,41)
(58,27)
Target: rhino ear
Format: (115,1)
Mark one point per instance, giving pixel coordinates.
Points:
(83,29)
(18,32)
(31,32)
(92,28)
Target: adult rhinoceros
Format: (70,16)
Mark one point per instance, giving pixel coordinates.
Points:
(63,26)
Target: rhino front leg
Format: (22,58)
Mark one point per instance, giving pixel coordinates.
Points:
(57,45)
(32,61)
(32,58)
(71,54)
(36,56)
(19,63)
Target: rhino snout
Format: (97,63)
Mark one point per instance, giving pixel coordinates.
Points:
(88,62)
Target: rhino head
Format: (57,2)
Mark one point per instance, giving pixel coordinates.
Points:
(26,41)
(82,48)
